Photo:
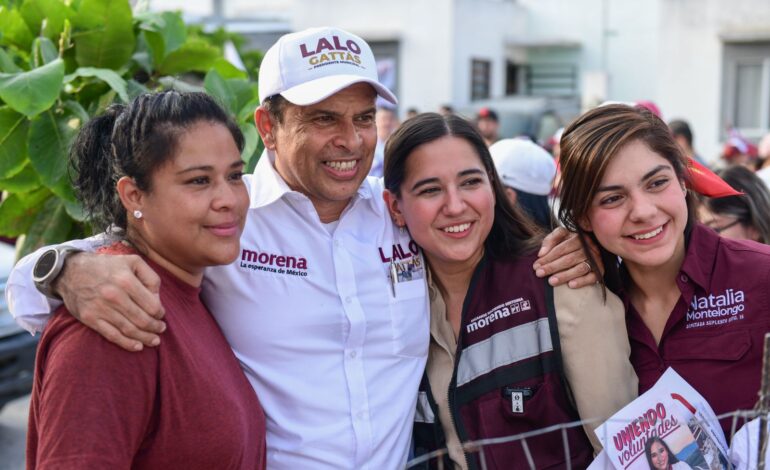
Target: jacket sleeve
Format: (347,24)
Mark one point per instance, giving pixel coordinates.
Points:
(29,307)
(595,351)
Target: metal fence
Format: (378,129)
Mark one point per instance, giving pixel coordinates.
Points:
(738,419)
(478,447)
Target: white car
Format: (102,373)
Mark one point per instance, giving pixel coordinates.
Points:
(17,347)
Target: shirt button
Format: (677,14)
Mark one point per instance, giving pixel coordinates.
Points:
(360,415)
(352,354)
(683,278)
(348,299)
(337,243)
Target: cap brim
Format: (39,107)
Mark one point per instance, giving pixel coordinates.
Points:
(318,90)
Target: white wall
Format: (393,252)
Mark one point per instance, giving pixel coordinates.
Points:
(480,31)
(690,76)
(616,36)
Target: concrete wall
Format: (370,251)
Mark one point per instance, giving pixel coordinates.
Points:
(616,36)
(481,28)
(691,59)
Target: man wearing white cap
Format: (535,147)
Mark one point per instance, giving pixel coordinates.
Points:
(527,171)
(327,329)
(334,348)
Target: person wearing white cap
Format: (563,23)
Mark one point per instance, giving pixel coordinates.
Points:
(527,171)
(326,307)
(333,347)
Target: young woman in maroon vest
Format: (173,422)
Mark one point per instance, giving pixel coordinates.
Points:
(505,348)
(164,174)
(694,301)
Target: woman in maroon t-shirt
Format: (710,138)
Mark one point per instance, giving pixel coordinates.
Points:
(695,301)
(163,175)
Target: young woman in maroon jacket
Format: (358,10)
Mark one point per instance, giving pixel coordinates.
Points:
(164,174)
(498,363)
(694,301)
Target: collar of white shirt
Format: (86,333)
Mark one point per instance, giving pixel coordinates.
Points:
(268,186)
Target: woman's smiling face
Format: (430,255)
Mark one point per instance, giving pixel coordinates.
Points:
(639,211)
(447,201)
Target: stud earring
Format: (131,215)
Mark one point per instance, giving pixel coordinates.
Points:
(402,229)
(137,214)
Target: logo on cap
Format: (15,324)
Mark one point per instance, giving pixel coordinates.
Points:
(327,52)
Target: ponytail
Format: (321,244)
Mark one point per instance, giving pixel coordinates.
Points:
(95,175)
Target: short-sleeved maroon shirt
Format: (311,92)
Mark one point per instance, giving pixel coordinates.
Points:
(714,336)
(185,404)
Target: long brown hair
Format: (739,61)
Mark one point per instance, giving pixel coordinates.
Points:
(587,147)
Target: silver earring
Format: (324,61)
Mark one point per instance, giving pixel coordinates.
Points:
(137,214)
(402,229)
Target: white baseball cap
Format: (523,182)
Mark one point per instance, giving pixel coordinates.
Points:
(309,66)
(524,165)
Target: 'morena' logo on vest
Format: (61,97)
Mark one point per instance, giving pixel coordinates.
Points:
(331,51)
(501,311)
(270,262)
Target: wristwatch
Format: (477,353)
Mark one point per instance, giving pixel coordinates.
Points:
(48,267)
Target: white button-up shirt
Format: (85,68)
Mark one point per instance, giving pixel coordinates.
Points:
(335,357)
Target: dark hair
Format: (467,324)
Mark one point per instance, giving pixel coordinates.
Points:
(512,233)
(134,140)
(275,106)
(587,146)
(535,206)
(648,450)
(680,127)
(752,209)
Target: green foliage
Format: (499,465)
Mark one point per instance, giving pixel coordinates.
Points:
(65,61)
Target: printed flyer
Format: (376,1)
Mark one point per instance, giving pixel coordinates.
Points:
(671,426)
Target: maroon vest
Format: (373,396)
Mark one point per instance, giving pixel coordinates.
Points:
(508,376)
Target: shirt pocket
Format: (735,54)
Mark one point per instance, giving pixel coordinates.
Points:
(409,318)
(725,346)
(517,409)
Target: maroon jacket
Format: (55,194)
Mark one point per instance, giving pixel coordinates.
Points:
(714,336)
(508,350)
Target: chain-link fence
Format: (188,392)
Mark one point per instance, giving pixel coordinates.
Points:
(757,443)
(479,448)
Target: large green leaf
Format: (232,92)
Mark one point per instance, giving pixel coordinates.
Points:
(110,77)
(173,83)
(163,32)
(217,87)
(50,135)
(45,17)
(135,89)
(195,55)
(24,181)
(7,64)
(105,34)
(35,91)
(14,29)
(245,93)
(246,114)
(17,211)
(13,142)
(228,70)
(252,163)
(44,51)
(250,138)
(51,225)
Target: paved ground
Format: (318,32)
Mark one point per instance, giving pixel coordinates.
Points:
(13,434)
